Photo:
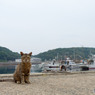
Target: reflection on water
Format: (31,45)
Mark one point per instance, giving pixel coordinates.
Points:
(8,69)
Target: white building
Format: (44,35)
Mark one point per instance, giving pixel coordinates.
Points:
(33,60)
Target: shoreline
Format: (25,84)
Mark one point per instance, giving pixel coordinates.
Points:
(5,77)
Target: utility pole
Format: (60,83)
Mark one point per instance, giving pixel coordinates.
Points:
(57,56)
(74,55)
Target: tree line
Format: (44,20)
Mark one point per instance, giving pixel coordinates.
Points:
(77,53)
(8,55)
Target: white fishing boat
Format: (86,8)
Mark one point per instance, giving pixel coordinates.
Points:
(71,65)
(90,65)
(51,66)
(60,66)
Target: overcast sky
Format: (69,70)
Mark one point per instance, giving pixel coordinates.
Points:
(41,25)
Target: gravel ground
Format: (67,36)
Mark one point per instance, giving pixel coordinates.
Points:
(77,84)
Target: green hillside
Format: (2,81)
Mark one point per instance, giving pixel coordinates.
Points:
(8,55)
(62,53)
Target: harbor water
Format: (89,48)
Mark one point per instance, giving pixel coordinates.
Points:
(8,69)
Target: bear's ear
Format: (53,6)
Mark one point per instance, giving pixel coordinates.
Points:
(21,53)
(30,53)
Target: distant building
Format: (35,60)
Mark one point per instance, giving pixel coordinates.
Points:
(17,60)
(36,60)
(33,60)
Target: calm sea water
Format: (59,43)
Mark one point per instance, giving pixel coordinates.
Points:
(11,69)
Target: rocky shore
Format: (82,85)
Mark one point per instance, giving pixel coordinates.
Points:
(51,84)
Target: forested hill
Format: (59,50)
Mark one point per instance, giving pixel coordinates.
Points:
(62,53)
(8,55)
